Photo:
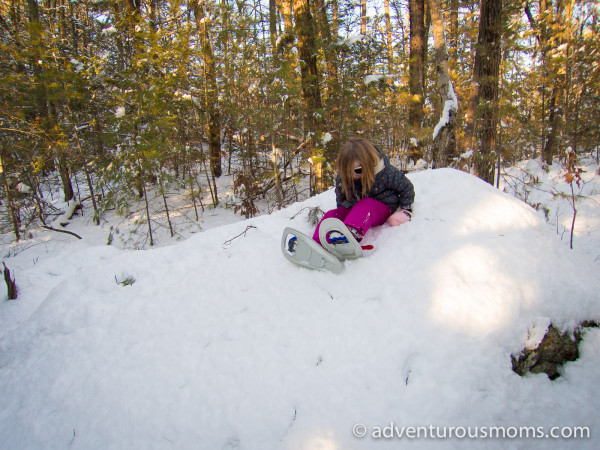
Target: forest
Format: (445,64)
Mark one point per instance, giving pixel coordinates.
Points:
(132,95)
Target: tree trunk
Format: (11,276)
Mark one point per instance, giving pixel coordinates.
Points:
(276,174)
(571,103)
(388,33)
(417,55)
(453,36)
(471,114)
(11,285)
(488,56)
(274,150)
(333,85)
(334,18)
(557,74)
(313,122)
(273,30)
(133,19)
(65,178)
(418,48)
(85,166)
(285,8)
(41,96)
(444,134)
(9,203)
(36,60)
(363,17)
(148,214)
(211,91)
(554,122)
(164,196)
(473,99)
(550,32)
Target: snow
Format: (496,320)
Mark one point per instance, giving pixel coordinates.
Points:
(374,79)
(120,112)
(221,343)
(64,218)
(451,104)
(78,65)
(546,189)
(184,96)
(421,164)
(23,188)
(253,87)
(280,38)
(352,38)
(109,30)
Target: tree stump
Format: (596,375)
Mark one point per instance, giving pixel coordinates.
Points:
(10,284)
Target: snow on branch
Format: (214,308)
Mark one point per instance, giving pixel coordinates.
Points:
(352,38)
(451,104)
(64,218)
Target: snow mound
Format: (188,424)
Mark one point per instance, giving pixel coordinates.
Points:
(222,343)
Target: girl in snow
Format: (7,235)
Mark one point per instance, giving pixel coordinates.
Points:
(369,190)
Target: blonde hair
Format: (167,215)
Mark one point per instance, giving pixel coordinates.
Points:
(357,149)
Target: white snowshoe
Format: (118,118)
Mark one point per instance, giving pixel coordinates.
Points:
(338,240)
(305,252)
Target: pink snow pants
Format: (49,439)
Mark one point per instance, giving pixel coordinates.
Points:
(367,213)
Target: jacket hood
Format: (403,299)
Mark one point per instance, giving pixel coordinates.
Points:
(383,162)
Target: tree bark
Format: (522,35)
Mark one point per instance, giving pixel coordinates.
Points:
(334,18)
(133,19)
(363,17)
(418,48)
(554,122)
(11,285)
(488,56)
(9,202)
(273,30)
(40,92)
(211,90)
(274,150)
(444,136)
(285,8)
(473,99)
(333,86)
(388,33)
(36,44)
(453,36)
(305,31)
(548,30)
(558,77)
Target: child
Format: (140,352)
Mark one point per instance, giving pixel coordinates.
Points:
(369,190)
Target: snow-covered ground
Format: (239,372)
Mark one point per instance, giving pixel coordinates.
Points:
(221,343)
(546,190)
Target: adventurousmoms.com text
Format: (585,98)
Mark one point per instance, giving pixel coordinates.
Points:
(393,431)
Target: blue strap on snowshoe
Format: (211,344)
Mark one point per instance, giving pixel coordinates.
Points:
(292,243)
(338,240)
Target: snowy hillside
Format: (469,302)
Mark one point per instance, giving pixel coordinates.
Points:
(223,344)
(547,190)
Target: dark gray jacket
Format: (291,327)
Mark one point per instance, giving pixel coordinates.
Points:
(391,187)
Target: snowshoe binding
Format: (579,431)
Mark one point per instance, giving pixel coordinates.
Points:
(337,239)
